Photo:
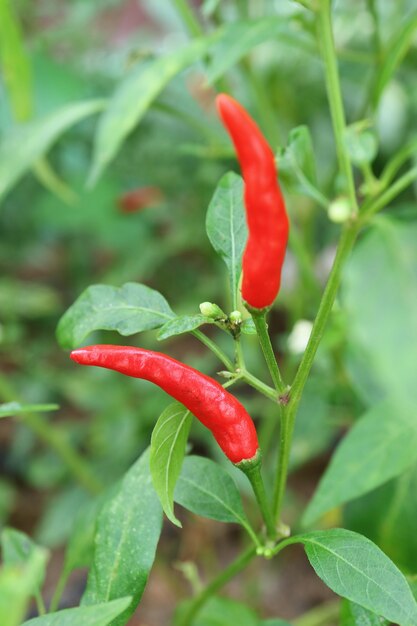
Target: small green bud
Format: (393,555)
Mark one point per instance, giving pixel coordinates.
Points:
(209,309)
(340,210)
(235,317)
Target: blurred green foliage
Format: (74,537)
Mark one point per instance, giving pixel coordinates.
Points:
(59,235)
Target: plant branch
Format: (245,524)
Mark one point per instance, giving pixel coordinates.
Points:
(289,412)
(259,320)
(211,345)
(384,199)
(195,605)
(334,94)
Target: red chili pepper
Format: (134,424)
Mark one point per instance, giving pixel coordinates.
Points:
(215,407)
(265,209)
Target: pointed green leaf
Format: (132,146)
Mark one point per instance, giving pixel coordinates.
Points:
(182,324)
(297,165)
(133,97)
(206,489)
(26,143)
(168,442)
(356,569)
(96,615)
(128,529)
(236,39)
(354,615)
(129,309)
(380,446)
(9,409)
(226,226)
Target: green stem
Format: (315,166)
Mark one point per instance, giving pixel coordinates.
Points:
(289,411)
(380,203)
(189,19)
(260,386)
(253,472)
(334,95)
(59,589)
(215,349)
(259,320)
(240,359)
(40,604)
(227,574)
(57,441)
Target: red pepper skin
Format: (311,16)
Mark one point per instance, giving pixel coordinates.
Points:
(265,208)
(212,405)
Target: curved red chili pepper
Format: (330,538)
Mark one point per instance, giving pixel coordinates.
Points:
(265,209)
(212,405)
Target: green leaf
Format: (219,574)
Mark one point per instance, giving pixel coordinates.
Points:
(386,339)
(356,569)
(80,548)
(387,516)
(314,430)
(274,622)
(397,48)
(361,144)
(380,446)
(224,612)
(15,63)
(182,324)
(128,529)
(17,583)
(9,409)
(17,549)
(97,615)
(354,615)
(297,165)
(226,226)
(26,143)
(133,97)
(206,489)
(129,309)
(235,39)
(169,438)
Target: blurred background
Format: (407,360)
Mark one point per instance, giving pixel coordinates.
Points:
(74,218)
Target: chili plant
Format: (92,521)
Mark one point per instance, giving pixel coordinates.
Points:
(116,537)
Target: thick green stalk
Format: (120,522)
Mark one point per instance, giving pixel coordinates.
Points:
(259,320)
(227,574)
(334,94)
(289,412)
(253,472)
